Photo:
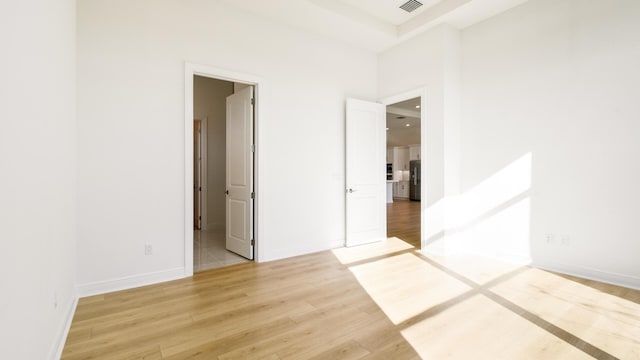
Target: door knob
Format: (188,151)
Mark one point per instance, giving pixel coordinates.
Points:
(226,192)
(351,190)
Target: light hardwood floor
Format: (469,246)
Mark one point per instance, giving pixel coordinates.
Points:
(379,301)
(403,221)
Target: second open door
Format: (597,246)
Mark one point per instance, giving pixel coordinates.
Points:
(239,178)
(366,172)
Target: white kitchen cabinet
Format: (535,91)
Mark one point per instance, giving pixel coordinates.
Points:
(390,185)
(401,189)
(389,155)
(400,163)
(404,189)
(404,159)
(414,152)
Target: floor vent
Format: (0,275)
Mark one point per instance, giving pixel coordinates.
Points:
(410,5)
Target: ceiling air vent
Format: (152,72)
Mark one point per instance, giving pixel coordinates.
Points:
(410,5)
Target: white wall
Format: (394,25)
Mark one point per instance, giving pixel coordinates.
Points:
(131,58)
(37,176)
(557,80)
(209,101)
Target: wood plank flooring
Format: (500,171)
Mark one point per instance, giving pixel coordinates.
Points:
(378,301)
(403,221)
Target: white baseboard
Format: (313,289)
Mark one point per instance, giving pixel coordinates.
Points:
(337,244)
(129,282)
(63,332)
(289,252)
(591,274)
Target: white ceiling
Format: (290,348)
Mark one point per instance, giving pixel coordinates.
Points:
(374,25)
(400,115)
(389,10)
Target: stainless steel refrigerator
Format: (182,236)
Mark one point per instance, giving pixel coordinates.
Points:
(414,183)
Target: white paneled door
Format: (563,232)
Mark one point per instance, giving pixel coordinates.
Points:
(366,172)
(239,177)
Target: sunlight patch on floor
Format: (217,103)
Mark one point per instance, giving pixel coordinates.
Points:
(434,302)
(348,255)
(478,269)
(606,321)
(404,286)
(478,328)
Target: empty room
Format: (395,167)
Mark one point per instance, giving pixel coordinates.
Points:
(319,179)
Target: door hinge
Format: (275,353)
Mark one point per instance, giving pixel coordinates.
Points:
(199,217)
(253,101)
(253,148)
(199,189)
(253,195)
(253,242)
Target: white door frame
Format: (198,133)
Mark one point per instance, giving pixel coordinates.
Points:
(203,172)
(422,93)
(190,70)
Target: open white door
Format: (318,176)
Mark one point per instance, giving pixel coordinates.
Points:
(366,172)
(239,182)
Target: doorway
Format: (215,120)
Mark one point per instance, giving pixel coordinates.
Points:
(404,169)
(221,158)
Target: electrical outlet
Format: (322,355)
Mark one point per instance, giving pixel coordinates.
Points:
(148,249)
(549,238)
